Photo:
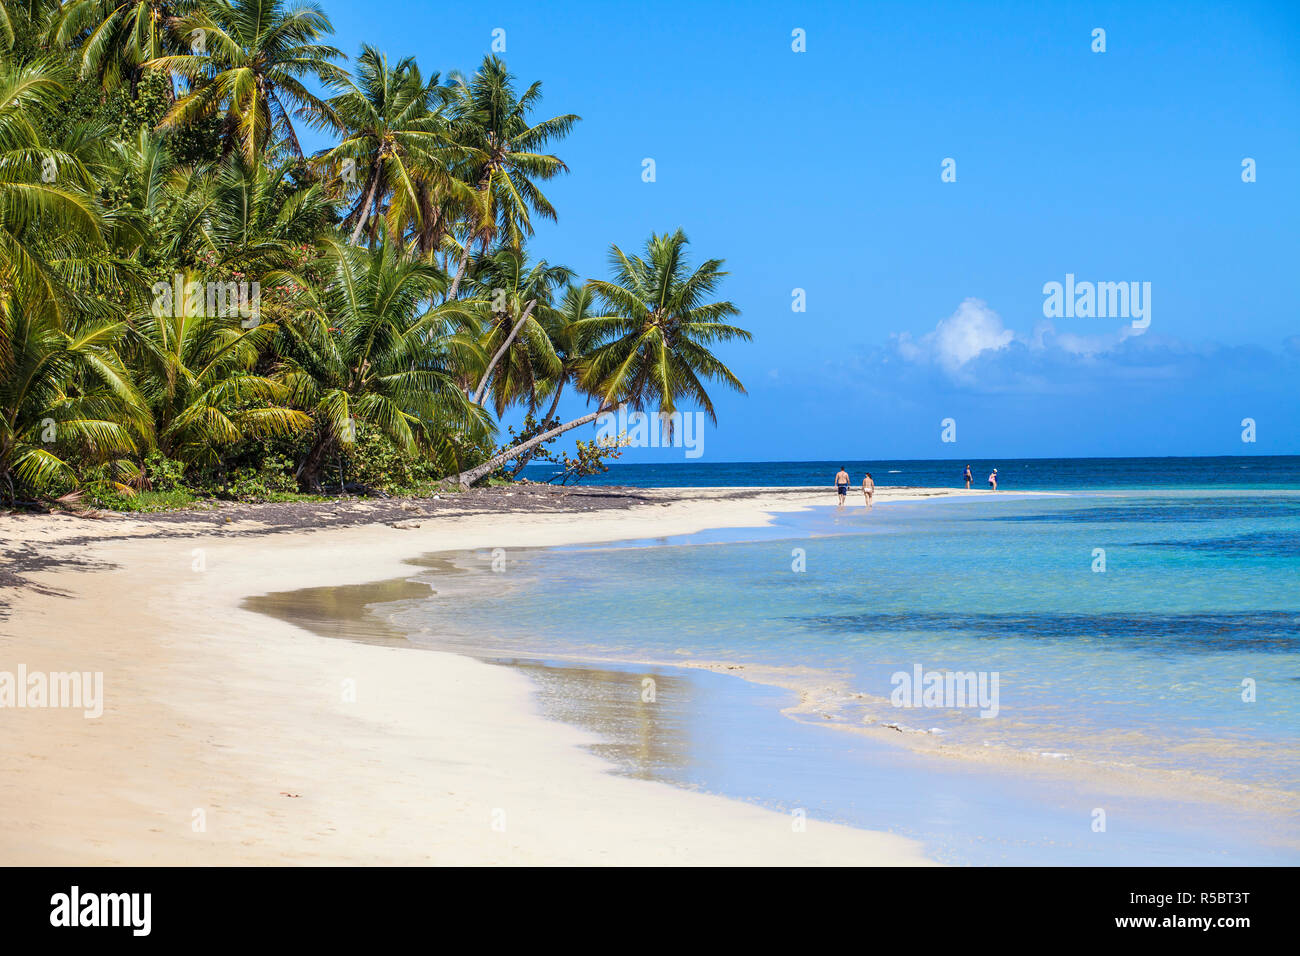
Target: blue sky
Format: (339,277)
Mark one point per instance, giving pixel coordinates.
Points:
(821,170)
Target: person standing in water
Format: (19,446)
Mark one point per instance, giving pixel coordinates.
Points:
(993,480)
(842,485)
(967,477)
(868,489)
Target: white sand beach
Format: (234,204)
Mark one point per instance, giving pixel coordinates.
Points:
(228,737)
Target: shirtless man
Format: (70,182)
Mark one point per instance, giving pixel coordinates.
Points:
(842,485)
(967,477)
(868,489)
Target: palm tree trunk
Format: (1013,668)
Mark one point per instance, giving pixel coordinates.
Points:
(467,478)
(484,181)
(364,214)
(313,466)
(555,400)
(527,456)
(460,273)
(483,383)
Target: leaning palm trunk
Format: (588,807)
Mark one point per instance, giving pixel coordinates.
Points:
(481,188)
(460,274)
(526,457)
(555,402)
(363,215)
(487,375)
(467,478)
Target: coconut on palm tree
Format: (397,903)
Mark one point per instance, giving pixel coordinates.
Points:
(159,209)
(113,39)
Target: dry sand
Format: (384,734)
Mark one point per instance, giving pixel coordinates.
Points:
(228,737)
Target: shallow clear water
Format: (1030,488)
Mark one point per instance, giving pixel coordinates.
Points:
(1141,664)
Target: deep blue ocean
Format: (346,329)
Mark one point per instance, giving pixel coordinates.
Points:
(1014,474)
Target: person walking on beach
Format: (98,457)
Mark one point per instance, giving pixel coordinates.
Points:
(842,485)
(993,480)
(967,476)
(868,489)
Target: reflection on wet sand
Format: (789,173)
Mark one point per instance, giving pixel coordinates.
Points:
(644,730)
(342,611)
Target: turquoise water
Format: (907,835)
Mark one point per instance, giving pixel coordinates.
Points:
(1140,665)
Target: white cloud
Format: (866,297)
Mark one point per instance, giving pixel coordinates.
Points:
(962,337)
(975,329)
(1090,345)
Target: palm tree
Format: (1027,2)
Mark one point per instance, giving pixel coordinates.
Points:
(564,330)
(652,348)
(392,131)
(497,142)
(255,215)
(113,39)
(24,18)
(201,380)
(91,265)
(366,348)
(158,208)
(64,394)
(517,298)
(248,60)
(569,331)
(46,210)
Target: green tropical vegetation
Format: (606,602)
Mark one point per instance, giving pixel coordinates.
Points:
(193,306)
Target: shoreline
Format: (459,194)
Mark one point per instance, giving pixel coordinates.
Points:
(376,563)
(228,737)
(817,695)
(813,691)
